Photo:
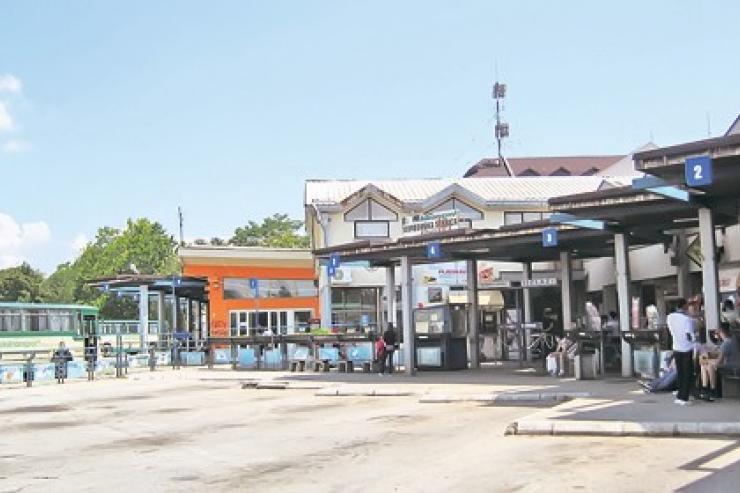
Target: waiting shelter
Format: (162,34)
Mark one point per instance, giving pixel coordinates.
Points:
(187,297)
(686,188)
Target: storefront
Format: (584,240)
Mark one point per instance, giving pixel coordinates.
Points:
(256,290)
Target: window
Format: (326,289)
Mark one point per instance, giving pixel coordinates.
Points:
(464,210)
(354,307)
(238,288)
(524,217)
(370,210)
(372,229)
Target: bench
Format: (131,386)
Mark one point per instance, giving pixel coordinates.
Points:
(322,365)
(298,365)
(346,366)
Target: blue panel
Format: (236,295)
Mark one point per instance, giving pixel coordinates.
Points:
(253,284)
(222,356)
(331,270)
(549,237)
(434,250)
(329,353)
(698,171)
(272,358)
(246,358)
(429,356)
(300,353)
(334,260)
(361,351)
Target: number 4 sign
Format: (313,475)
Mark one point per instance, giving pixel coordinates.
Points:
(698,171)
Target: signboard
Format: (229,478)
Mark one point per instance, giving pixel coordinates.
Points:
(433,222)
(434,250)
(539,283)
(499,283)
(698,171)
(549,237)
(334,260)
(177,281)
(331,270)
(693,252)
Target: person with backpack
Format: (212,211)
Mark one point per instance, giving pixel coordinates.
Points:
(380,355)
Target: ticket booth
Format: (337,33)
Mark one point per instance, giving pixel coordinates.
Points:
(440,340)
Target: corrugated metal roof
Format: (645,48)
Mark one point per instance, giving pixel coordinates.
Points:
(535,189)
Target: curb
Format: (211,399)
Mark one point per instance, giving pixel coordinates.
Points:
(505,397)
(339,392)
(621,428)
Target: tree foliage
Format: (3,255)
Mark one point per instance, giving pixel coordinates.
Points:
(278,231)
(22,283)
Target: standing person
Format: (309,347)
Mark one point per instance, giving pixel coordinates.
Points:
(380,355)
(682,331)
(60,358)
(389,338)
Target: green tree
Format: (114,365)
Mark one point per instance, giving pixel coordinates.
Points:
(143,244)
(22,283)
(277,231)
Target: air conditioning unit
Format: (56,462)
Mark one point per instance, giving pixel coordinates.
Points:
(342,275)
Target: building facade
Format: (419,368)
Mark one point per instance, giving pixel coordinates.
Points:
(341,212)
(255,290)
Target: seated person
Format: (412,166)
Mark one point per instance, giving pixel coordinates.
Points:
(566,348)
(729,352)
(664,383)
(708,357)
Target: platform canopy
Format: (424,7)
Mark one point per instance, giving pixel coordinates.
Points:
(194,288)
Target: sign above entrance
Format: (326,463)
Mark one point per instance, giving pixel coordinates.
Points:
(539,283)
(698,171)
(434,250)
(549,237)
(434,222)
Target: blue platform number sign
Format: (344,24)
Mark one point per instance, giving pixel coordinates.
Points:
(331,270)
(549,237)
(698,171)
(334,261)
(434,250)
(254,285)
(176,281)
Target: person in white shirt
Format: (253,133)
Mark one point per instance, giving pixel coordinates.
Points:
(682,331)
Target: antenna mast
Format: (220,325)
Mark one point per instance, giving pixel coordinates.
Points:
(502,128)
(179,217)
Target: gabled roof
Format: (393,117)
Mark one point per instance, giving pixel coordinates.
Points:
(414,194)
(543,165)
(453,190)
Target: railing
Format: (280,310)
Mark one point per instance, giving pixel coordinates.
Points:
(124,327)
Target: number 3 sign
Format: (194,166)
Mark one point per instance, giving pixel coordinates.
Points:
(698,171)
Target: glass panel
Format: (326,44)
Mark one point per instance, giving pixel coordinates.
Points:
(512,218)
(466,211)
(262,320)
(371,229)
(447,205)
(379,212)
(237,288)
(532,216)
(283,326)
(359,212)
(306,289)
(273,321)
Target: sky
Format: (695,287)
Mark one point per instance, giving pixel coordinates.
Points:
(116,110)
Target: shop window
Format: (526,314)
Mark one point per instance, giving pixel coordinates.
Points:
(524,217)
(238,288)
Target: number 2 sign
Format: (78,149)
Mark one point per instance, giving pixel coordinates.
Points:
(698,171)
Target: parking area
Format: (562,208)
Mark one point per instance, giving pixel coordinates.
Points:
(197,429)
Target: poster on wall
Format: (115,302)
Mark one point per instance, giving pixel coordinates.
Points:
(635,312)
(435,295)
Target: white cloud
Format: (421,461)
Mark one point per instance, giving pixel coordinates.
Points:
(79,243)
(16,146)
(18,240)
(10,83)
(6,121)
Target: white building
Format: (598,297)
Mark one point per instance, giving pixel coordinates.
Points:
(346,211)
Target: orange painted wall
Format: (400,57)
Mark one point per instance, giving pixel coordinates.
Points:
(220,307)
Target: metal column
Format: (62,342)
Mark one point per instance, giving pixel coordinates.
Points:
(325,293)
(160,312)
(682,269)
(409,351)
(526,276)
(473,314)
(390,294)
(709,270)
(621,260)
(566,285)
(143,316)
